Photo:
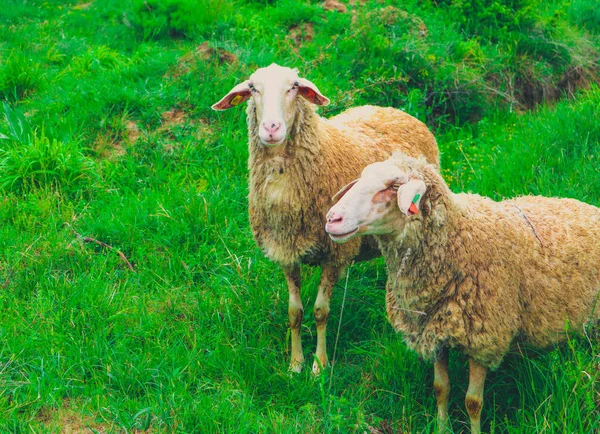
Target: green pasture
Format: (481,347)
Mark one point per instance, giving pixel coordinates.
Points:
(111,159)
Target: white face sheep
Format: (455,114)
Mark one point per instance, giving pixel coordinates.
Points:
(274,89)
(469,273)
(295,166)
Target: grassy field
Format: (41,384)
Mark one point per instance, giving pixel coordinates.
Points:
(108,136)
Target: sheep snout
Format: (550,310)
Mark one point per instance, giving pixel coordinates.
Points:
(271,126)
(339,228)
(272,132)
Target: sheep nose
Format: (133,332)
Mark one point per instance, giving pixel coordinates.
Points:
(334,218)
(271,126)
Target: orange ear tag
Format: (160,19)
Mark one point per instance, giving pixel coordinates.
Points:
(413,206)
(235,100)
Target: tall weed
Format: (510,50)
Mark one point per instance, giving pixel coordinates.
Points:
(156,19)
(29,159)
(19,76)
(585,13)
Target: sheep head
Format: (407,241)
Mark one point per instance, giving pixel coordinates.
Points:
(381,201)
(274,90)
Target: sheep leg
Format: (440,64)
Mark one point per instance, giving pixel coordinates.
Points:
(329,277)
(441,386)
(474,398)
(295,312)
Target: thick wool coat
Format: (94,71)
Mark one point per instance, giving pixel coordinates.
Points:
(291,185)
(482,276)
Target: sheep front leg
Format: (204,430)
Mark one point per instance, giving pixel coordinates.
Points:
(441,386)
(474,398)
(329,277)
(295,312)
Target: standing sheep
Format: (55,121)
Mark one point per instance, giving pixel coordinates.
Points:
(297,160)
(469,273)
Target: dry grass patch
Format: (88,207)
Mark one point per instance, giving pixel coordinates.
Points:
(300,33)
(133,131)
(203,52)
(67,420)
(335,5)
(83,6)
(107,148)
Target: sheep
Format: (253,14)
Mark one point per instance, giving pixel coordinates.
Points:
(469,273)
(296,160)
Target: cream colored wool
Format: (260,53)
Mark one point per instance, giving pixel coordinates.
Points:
(291,186)
(488,275)
(297,162)
(469,273)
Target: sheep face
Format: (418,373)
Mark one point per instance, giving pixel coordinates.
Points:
(274,90)
(381,202)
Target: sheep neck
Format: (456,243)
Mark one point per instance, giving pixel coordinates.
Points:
(419,258)
(281,192)
(294,159)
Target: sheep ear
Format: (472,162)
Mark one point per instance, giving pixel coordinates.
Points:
(410,195)
(236,96)
(311,93)
(343,191)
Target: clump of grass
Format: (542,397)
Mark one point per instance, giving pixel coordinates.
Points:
(585,13)
(494,20)
(30,159)
(156,19)
(461,71)
(19,76)
(289,12)
(100,57)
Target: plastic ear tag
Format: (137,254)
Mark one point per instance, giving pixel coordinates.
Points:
(235,100)
(413,206)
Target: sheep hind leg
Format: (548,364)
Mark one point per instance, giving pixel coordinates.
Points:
(329,277)
(441,386)
(474,398)
(295,312)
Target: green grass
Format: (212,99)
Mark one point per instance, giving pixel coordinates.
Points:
(118,143)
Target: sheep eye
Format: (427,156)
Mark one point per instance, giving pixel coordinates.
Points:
(296,84)
(252,88)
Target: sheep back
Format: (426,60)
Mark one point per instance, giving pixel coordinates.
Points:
(487,275)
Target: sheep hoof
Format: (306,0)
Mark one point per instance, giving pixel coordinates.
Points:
(296,367)
(318,367)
